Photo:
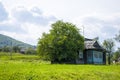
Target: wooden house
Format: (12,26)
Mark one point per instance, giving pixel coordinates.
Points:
(93,53)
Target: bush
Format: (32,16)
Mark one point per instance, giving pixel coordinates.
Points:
(6,49)
(30,51)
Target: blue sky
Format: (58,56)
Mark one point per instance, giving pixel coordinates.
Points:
(26,20)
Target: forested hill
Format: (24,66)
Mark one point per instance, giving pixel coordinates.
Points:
(8,41)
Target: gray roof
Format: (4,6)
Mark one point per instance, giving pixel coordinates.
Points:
(92,44)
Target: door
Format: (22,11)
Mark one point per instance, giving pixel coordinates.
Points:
(89,57)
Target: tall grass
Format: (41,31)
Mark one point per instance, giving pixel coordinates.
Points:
(17,56)
(36,69)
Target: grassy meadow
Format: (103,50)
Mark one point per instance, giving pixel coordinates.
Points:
(31,67)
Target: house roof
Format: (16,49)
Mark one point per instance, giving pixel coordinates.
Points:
(92,44)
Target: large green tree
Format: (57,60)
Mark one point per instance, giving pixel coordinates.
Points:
(62,43)
(109,46)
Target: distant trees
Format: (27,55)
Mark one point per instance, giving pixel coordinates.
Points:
(109,46)
(117,37)
(116,55)
(17,49)
(61,43)
(10,49)
(6,49)
(30,51)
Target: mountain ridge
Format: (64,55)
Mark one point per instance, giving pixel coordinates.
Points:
(9,41)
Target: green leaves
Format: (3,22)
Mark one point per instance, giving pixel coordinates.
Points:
(109,45)
(62,43)
(117,37)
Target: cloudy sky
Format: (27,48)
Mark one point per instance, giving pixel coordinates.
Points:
(26,20)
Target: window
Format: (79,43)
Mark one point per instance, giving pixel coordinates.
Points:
(80,54)
(98,57)
(97,54)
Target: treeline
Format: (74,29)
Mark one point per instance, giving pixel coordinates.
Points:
(17,49)
(109,45)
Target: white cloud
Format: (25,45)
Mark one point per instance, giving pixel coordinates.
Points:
(3,13)
(104,27)
(26,25)
(35,16)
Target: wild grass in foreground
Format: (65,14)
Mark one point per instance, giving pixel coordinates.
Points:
(36,69)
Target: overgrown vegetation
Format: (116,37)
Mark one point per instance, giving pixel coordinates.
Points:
(4,56)
(31,67)
(116,55)
(17,49)
(109,46)
(62,43)
(112,54)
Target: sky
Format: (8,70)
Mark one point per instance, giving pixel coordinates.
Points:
(26,20)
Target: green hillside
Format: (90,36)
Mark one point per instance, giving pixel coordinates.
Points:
(8,41)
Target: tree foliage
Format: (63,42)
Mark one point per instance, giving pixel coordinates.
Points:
(116,55)
(109,46)
(30,51)
(117,37)
(61,43)
(6,49)
(16,49)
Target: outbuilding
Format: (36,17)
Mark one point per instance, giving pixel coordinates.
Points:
(93,53)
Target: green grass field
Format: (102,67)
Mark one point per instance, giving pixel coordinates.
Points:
(31,67)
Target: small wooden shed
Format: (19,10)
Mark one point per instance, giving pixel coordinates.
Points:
(93,53)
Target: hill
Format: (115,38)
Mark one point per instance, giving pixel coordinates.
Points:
(8,41)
